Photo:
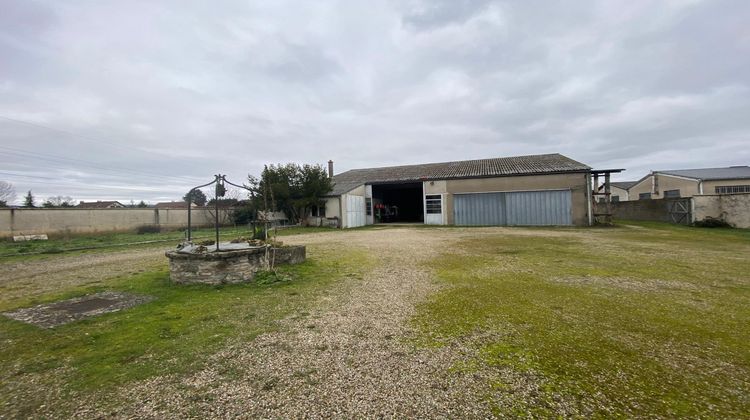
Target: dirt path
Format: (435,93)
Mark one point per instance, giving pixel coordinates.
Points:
(351,357)
(60,272)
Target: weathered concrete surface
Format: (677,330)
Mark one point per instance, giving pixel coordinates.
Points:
(289,255)
(731,208)
(59,313)
(227,267)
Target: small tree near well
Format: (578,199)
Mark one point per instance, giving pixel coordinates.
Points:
(291,188)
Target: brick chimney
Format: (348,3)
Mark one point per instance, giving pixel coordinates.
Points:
(330,169)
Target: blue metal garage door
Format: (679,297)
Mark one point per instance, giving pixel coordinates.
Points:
(525,208)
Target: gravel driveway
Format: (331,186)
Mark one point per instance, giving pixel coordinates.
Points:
(350,357)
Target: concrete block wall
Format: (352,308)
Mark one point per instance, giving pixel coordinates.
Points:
(72,220)
(648,210)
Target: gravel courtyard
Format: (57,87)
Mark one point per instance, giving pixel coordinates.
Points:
(359,348)
(349,357)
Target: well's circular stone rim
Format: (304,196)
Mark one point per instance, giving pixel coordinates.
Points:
(229,266)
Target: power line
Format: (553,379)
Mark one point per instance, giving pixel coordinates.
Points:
(85,138)
(114,169)
(40,180)
(79,136)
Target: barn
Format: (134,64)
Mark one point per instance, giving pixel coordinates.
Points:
(538,190)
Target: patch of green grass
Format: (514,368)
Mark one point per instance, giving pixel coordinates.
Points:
(60,243)
(174,334)
(113,241)
(651,320)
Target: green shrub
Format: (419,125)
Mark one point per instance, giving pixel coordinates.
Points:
(710,222)
(271,277)
(243,215)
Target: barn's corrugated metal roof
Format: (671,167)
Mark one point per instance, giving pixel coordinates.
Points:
(708,174)
(480,168)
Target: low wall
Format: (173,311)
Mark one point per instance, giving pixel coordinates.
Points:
(227,267)
(732,208)
(656,210)
(72,220)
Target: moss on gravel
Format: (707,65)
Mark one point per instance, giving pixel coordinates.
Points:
(642,320)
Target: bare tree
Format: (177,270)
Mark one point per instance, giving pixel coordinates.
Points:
(226,206)
(7,193)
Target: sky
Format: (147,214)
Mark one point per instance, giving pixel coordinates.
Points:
(142,100)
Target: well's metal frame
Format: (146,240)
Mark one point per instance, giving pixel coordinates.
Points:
(219,191)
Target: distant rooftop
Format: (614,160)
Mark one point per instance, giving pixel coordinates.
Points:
(173,205)
(622,184)
(480,168)
(709,174)
(99,204)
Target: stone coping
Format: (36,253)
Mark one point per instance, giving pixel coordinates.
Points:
(220,255)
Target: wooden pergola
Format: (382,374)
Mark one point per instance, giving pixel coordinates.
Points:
(602,213)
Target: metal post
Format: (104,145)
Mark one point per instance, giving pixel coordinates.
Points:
(607,199)
(190,201)
(216,210)
(219,180)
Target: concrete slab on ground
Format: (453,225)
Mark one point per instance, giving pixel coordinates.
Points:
(54,314)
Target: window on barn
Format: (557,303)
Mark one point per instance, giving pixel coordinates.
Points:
(368,206)
(733,189)
(615,198)
(672,194)
(319,211)
(434,204)
(644,196)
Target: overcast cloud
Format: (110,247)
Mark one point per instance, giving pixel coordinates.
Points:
(145,99)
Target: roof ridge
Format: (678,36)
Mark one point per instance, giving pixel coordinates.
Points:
(457,161)
(704,169)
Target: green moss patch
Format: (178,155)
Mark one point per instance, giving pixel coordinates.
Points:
(632,321)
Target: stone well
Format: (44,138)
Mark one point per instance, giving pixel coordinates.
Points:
(232,263)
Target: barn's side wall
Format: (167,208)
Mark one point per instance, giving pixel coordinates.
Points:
(72,220)
(575,182)
(333,208)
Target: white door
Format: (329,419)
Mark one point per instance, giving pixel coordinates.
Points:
(355,211)
(433,209)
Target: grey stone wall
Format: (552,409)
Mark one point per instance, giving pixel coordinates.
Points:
(289,255)
(656,210)
(228,267)
(732,208)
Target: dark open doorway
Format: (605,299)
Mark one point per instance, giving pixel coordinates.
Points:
(398,203)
